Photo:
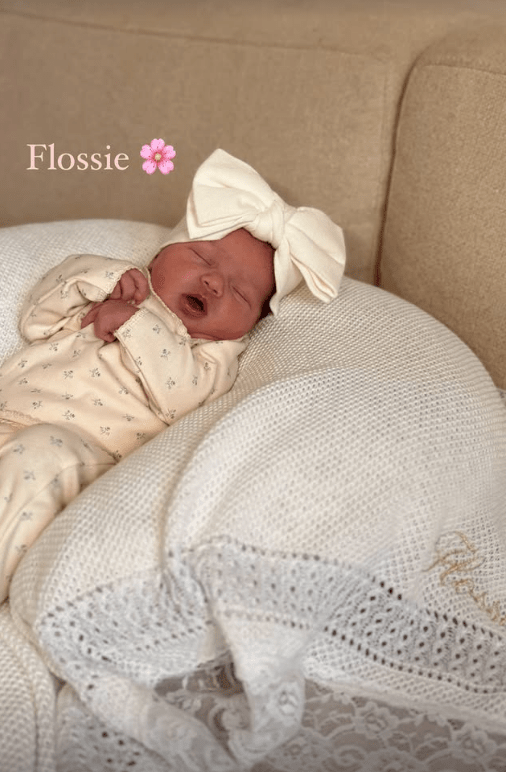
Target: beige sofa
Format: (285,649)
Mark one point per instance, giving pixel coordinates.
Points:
(388,115)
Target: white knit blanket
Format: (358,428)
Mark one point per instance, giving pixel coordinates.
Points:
(338,516)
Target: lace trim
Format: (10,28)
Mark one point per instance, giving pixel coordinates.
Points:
(119,643)
(369,616)
(342,730)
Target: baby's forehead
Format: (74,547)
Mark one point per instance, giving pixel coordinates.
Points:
(241,243)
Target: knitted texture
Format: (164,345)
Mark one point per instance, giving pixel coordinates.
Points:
(337,516)
(27,704)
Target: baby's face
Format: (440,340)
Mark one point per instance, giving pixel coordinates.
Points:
(217,288)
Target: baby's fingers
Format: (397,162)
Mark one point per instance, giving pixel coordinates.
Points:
(116,293)
(133,285)
(124,289)
(141,285)
(90,317)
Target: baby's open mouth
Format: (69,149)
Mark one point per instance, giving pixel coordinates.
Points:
(194,305)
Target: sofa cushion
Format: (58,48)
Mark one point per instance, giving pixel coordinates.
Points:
(445,230)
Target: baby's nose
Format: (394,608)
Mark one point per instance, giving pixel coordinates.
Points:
(214,283)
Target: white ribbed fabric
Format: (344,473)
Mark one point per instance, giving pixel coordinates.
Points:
(338,516)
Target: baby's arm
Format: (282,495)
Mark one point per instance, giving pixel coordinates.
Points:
(65,291)
(176,375)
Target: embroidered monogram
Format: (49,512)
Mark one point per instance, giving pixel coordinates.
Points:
(457,555)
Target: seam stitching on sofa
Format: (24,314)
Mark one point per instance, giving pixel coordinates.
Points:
(456,64)
(198,38)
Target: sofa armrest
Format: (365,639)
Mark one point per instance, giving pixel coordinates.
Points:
(444,240)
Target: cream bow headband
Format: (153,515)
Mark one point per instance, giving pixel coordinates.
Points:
(228,194)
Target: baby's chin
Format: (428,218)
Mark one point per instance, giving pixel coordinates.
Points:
(203,336)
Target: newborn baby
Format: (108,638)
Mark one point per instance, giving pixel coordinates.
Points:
(118,352)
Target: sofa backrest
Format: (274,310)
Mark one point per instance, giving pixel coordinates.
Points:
(306,92)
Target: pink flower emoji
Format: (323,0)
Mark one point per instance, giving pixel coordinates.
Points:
(157,154)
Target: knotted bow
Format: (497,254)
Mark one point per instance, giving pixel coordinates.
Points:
(228,194)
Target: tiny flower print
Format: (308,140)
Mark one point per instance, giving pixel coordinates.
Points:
(158,156)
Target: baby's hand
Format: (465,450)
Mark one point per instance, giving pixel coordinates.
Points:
(133,286)
(107,317)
